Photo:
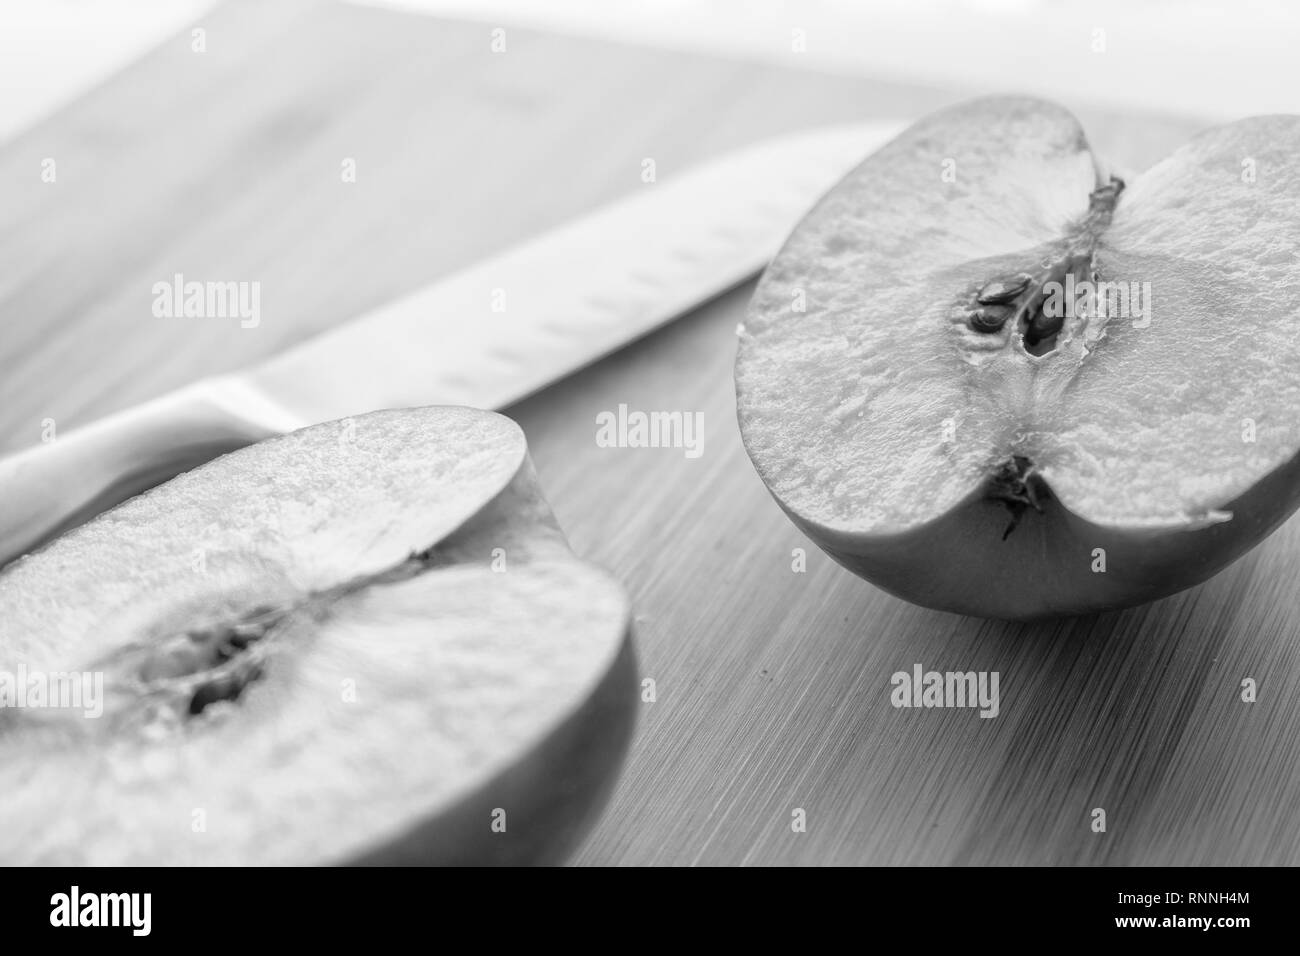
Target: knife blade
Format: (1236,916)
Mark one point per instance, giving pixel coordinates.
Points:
(486,336)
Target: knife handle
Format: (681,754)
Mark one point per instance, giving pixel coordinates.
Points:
(50,488)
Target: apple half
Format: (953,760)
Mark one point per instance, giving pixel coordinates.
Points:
(991,376)
(364,642)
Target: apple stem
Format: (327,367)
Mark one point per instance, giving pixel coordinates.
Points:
(1017,484)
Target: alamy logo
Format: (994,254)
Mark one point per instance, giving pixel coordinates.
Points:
(1083,298)
(179,299)
(66,690)
(632,429)
(923,688)
(103,909)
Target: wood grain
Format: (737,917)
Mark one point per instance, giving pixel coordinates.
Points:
(772,686)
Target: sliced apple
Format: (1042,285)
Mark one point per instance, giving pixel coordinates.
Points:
(917,394)
(364,642)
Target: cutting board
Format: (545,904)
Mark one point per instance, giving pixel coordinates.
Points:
(770,738)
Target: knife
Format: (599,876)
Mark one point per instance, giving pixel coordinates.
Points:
(487,336)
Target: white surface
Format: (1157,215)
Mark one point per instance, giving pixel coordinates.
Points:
(52,51)
(1215,60)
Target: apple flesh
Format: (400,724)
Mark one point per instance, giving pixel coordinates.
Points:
(365,642)
(993,377)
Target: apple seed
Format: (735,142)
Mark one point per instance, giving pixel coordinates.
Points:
(991,318)
(1004,290)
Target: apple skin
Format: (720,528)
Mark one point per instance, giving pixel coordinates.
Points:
(551,798)
(1044,567)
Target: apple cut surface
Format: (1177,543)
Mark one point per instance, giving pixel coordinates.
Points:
(913,395)
(363,642)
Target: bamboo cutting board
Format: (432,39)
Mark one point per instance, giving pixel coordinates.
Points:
(771,687)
